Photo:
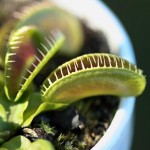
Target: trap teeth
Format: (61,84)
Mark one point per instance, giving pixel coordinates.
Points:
(93,74)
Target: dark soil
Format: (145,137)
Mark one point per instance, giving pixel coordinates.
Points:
(79,127)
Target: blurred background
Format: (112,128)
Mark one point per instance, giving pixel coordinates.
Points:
(135,15)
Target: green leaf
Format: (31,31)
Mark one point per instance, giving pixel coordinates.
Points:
(24,59)
(36,106)
(41,145)
(22,143)
(11,116)
(17,143)
(49,17)
(90,75)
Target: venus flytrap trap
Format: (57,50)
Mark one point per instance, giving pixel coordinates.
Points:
(93,74)
(30,48)
(49,17)
(26,64)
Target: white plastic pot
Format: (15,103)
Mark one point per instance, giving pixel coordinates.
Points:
(99,16)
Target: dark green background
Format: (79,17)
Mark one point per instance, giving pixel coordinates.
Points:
(135,15)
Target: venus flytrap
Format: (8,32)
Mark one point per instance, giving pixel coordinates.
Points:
(26,64)
(91,75)
(22,58)
(30,48)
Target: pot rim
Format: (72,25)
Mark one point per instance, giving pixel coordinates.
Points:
(126,107)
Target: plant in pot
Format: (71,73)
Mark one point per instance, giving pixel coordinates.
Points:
(54,58)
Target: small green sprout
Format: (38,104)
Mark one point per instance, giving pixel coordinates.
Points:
(47,128)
